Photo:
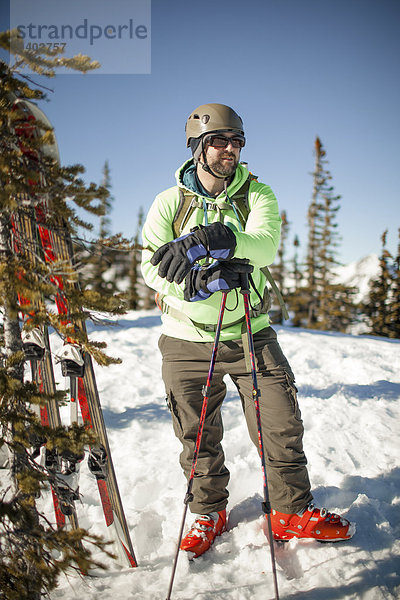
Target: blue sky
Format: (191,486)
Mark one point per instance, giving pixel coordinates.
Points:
(293,69)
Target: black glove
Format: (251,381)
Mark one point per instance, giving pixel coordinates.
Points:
(200,283)
(176,258)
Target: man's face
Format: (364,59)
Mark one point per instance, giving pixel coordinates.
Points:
(223,161)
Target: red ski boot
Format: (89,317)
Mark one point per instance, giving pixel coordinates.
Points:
(314,523)
(203,532)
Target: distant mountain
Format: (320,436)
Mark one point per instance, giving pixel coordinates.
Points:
(358,274)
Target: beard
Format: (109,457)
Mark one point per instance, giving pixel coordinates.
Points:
(222,168)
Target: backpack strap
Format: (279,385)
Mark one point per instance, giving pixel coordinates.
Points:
(276,291)
(240,200)
(185,209)
(188,202)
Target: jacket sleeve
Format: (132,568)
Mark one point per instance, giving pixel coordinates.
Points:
(157,231)
(260,240)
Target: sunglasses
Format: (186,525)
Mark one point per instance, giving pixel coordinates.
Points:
(221,141)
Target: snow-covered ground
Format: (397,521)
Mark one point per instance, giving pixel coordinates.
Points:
(349,389)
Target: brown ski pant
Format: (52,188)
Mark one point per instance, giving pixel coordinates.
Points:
(185,369)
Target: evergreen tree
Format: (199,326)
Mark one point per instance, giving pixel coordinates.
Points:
(395,305)
(313,217)
(332,298)
(139,294)
(134,271)
(321,304)
(29,545)
(297,275)
(278,269)
(339,309)
(382,305)
(295,297)
(106,203)
(101,257)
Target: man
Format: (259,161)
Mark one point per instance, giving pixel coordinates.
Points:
(201,242)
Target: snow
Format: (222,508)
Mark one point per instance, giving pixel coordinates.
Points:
(349,390)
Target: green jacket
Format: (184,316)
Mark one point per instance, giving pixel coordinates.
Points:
(258,243)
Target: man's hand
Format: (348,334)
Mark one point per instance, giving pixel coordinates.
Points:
(221,276)
(176,258)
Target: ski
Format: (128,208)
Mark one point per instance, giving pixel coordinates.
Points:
(64,471)
(77,364)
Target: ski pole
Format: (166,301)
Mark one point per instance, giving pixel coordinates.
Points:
(266,505)
(205,392)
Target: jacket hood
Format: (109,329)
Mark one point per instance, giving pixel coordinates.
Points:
(240,177)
